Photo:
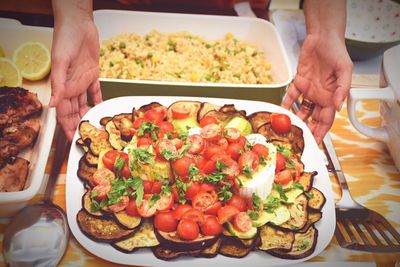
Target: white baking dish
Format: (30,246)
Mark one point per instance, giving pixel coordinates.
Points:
(253,30)
(11,202)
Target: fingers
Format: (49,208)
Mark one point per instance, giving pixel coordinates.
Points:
(344,74)
(291,95)
(321,123)
(68,116)
(58,79)
(95,92)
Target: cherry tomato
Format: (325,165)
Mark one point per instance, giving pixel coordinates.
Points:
(132,132)
(195,215)
(200,161)
(101,190)
(109,159)
(165,221)
(238,202)
(145,210)
(175,193)
(242,222)
(212,150)
(180,210)
(231,167)
(283,177)
(180,111)
(144,142)
(226,213)
(156,187)
(213,209)
(249,159)
(280,162)
(102,175)
(208,120)
(260,150)
(196,143)
(147,185)
(137,122)
(242,141)
(178,143)
(121,205)
(233,150)
(232,134)
(281,123)
(209,167)
(207,187)
(222,143)
(165,146)
(131,209)
(203,200)
(211,132)
(165,202)
(154,116)
(192,190)
(166,127)
(211,226)
(188,229)
(181,166)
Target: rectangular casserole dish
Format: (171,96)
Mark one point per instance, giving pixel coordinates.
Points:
(258,32)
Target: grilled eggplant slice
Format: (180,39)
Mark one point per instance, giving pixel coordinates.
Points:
(91,159)
(98,139)
(206,107)
(259,118)
(139,113)
(313,217)
(298,214)
(166,254)
(127,221)
(317,199)
(230,108)
(272,238)
(306,179)
(171,240)
(231,247)
(211,251)
(82,144)
(303,245)
(101,229)
(85,172)
(124,122)
(105,120)
(193,106)
(115,138)
(295,136)
(143,238)
(87,203)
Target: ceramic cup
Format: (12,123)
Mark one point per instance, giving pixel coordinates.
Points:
(389,132)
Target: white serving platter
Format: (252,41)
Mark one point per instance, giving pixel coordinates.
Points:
(311,158)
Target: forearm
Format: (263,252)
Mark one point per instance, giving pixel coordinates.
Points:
(325,17)
(72,9)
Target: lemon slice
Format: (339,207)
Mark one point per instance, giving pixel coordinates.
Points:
(33,60)
(9,73)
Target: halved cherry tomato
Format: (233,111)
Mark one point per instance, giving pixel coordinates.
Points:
(180,111)
(181,166)
(212,150)
(242,141)
(101,190)
(147,185)
(102,175)
(109,159)
(144,142)
(132,132)
(178,143)
(165,221)
(208,120)
(121,205)
(211,226)
(138,122)
(280,162)
(232,134)
(222,143)
(195,215)
(231,167)
(165,202)
(165,146)
(156,187)
(200,161)
(166,127)
(131,209)
(207,187)
(192,190)
(233,150)
(283,177)
(180,210)
(281,123)
(249,159)
(209,167)
(154,115)
(242,222)
(226,213)
(196,143)
(260,150)
(213,209)
(204,200)
(211,132)
(145,210)
(238,202)
(188,229)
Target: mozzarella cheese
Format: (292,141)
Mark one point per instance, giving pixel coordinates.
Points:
(261,181)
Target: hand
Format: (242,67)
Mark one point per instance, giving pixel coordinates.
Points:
(324,77)
(75,69)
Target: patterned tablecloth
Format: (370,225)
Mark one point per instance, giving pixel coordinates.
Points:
(373,179)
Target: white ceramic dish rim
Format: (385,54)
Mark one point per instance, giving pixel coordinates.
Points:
(75,189)
(205,17)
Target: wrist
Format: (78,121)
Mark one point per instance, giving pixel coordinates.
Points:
(76,10)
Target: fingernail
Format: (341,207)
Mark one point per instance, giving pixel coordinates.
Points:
(340,107)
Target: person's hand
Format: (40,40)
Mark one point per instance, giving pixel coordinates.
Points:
(324,77)
(75,69)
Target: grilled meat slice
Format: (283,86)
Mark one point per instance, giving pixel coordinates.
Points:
(13,175)
(8,150)
(22,134)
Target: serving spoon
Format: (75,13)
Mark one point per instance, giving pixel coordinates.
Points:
(38,235)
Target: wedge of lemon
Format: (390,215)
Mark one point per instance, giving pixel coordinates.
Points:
(9,73)
(33,59)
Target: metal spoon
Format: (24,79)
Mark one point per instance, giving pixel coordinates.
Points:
(38,235)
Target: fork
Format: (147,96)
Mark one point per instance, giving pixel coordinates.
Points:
(358,227)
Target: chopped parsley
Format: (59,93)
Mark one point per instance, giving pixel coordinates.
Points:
(181,187)
(148,127)
(225,193)
(119,163)
(193,171)
(256,201)
(215,177)
(253,215)
(220,165)
(153,199)
(246,171)
(272,204)
(284,151)
(278,187)
(298,186)
(143,155)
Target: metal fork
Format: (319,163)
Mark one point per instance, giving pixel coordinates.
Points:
(358,227)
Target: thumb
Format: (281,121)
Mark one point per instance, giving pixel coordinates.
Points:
(58,80)
(343,84)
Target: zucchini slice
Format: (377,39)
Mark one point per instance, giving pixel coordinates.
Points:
(100,229)
(272,238)
(317,199)
(144,237)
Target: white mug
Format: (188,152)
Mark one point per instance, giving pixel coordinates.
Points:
(389,132)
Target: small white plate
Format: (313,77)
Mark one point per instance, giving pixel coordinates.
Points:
(311,158)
